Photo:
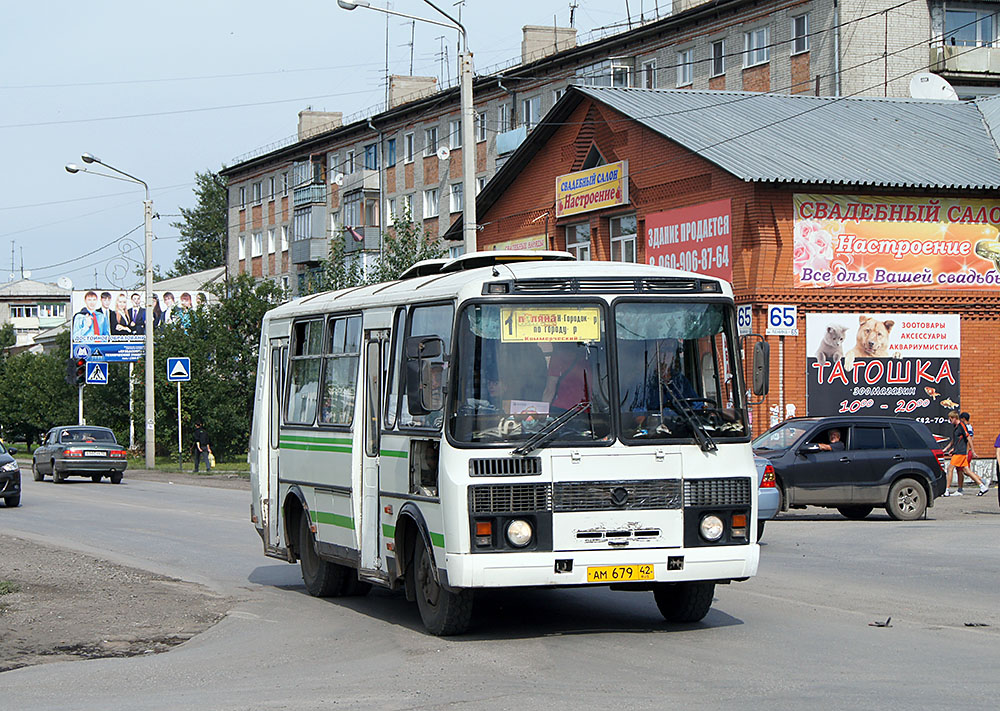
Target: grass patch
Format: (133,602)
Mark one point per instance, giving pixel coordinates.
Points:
(7,587)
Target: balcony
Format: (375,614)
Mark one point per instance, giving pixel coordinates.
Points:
(510,140)
(953,59)
(309,195)
(362,179)
(370,242)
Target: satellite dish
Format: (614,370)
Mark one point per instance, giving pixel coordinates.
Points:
(338,179)
(10,277)
(931,86)
(65,282)
(443,153)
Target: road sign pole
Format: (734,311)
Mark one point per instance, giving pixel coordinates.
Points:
(79,406)
(180,455)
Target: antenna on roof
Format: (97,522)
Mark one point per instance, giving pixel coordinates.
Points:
(931,86)
(572,13)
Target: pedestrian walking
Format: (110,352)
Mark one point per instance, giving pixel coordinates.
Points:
(201,448)
(960,449)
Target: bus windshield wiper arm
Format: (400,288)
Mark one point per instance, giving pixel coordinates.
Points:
(550,429)
(704,439)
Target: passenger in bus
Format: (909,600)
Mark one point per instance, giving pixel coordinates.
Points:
(665,382)
(570,379)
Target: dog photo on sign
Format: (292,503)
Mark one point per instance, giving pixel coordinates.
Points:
(872,340)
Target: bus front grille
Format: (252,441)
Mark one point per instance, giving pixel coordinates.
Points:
(507,498)
(638,495)
(717,492)
(508,466)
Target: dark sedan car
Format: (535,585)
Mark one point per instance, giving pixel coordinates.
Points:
(855,464)
(79,451)
(10,477)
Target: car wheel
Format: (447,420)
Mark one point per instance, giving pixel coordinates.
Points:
(442,611)
(96,478)
(116,478)
(684,602)
(35,474)
(855,513)
(57,476)
(322,578)
(907,500)
(13,501)
(760,529)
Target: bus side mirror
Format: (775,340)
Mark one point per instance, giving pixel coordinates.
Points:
(761,368)
(424,374)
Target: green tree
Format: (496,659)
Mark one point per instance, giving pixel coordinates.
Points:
(7,337)
(34,395)
(203,229)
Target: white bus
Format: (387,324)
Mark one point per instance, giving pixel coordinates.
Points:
(503,420)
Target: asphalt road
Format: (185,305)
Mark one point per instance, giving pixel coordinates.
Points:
(796,636)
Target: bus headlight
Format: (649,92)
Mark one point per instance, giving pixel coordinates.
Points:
(711,528)
(519,533)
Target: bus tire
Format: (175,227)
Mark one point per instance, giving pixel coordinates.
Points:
(322,578)
(353,587)
(443,612)
(684,602)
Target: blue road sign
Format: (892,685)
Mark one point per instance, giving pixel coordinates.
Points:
(97,373)
(178,370)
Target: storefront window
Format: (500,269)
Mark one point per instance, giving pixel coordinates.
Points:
(578,241)
(623,239)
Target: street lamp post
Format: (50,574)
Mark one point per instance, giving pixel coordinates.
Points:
(469,227)
(148,220)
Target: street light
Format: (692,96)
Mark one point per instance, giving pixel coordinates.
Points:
(148,217)
(468,113)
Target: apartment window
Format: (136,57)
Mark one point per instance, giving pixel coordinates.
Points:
(349,162)
(685,59)
(318,170)
(431,199)
(284,183)
(456,252)
(481,126)
(615,72)
(371,212)
(352,209)
(623,239)
(335,225)
(256,245)
(756,49)
(408,148)
(300,174)
(284,283)
(270,188)
(406,206)
(970,28)
(391,208)
(648,74)
(531,111)
(243,198)
(503,118)
(430,141)
(242,251)
(578,241)
(371,156)
(390,152)
(284,238)
(480,184)
(301,225)
(256,193)
(718,58)
(558,94)
(455,134)
(455,199)
(270,241)
(800,34)
(24,311)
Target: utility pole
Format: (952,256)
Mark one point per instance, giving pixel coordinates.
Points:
(572,13)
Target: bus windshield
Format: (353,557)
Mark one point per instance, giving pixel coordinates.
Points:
(521,366)
(675,374)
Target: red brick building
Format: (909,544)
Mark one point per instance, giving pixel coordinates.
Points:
(785,173)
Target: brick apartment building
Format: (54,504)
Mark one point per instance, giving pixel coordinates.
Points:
(343,181)
(860,212)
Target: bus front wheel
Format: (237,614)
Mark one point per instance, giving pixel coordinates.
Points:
(443,612)
(322,578)
(684,602)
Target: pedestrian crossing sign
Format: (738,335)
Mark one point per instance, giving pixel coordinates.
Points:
(178,370)
(97,373)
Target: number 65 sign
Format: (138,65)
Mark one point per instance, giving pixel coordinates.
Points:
(782,320)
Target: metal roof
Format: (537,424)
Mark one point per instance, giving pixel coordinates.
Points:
(27,288)
(912,143)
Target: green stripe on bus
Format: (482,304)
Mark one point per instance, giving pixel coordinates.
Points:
(332,519)
(314,447)
(320,440)
(393,453)
(437,539)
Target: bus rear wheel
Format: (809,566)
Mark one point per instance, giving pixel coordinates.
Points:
(684,602)
(442,611)
(322,578)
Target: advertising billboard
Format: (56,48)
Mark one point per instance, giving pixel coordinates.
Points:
(884,364)
(592,189)
(698,238)
(110,324)
(845,241)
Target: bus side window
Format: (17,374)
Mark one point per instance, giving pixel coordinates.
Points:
(429,321)
(424,467)
(304,366)
(395,366)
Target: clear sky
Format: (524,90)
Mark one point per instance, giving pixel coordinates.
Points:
(162,90)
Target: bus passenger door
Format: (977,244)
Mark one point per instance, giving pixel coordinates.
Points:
(372,562)
(269,495)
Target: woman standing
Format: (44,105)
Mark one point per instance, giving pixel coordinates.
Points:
(121,322)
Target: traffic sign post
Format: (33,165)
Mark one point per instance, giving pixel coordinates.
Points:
(179,371)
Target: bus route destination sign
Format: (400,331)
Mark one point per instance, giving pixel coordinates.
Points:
(557,323)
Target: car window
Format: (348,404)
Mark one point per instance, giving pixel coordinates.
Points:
(910,438)
(867,438)
(891,440)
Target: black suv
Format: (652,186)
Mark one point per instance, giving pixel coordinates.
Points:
(889,462)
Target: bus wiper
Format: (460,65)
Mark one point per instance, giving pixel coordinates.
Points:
(701,435)
(547,432)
